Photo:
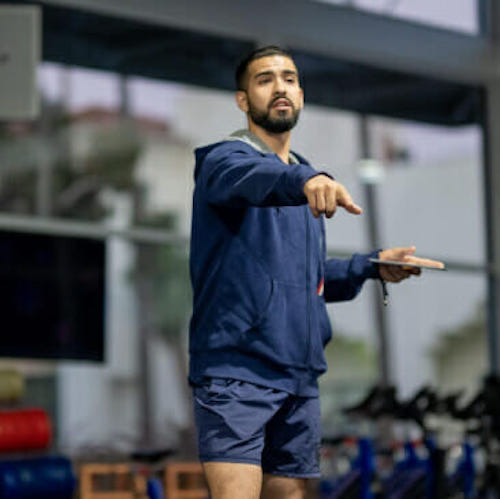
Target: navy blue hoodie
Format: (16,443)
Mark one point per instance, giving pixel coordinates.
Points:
(259,271)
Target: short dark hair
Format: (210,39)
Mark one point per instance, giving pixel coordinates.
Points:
(256,54)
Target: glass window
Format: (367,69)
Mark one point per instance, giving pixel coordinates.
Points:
(437,322)
(99,137)
(102,409)
(120,154)
(429,195)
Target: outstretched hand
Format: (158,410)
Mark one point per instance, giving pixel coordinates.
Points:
(393,273)
(324,195)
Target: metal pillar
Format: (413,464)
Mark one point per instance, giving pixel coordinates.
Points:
(491,134)
(489,21)
(144,297)
(372,219)
(487,14)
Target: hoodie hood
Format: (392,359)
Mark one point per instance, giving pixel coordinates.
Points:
(200,153)
(245,136)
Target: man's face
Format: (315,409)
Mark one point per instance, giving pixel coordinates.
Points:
(273,98)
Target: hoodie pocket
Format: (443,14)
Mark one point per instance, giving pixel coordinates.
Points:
(281,335)
(245,292)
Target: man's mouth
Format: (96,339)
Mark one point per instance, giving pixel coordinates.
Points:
(281,103)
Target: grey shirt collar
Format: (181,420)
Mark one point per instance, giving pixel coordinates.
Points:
(252,140)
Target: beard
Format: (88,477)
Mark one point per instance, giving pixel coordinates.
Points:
(279,124)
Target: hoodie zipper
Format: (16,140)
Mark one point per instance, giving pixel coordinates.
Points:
(308,286)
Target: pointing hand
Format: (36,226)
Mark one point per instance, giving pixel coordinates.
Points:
(324,195)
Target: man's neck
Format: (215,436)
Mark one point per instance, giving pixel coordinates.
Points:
(277,142)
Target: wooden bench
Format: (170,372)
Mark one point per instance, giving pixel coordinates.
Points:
(185,481)
(111,481)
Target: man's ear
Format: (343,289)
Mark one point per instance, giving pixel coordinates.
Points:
(242,100)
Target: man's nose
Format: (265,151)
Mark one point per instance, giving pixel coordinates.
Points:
(279,87)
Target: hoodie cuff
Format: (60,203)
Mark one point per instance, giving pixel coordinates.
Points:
(326,174)
(365,268)
(296,177)
(316,174)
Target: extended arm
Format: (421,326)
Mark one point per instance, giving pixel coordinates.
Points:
(236,178)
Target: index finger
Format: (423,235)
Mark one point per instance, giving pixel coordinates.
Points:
(344,199)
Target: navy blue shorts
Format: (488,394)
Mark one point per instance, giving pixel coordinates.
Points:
(241,422)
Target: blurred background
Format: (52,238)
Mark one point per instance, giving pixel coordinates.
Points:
(96,181)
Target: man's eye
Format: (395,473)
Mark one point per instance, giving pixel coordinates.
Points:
(264,80)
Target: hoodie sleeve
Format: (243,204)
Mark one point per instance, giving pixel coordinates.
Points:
(345,278)
(234,177)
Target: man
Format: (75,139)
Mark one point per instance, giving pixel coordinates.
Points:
(260,280)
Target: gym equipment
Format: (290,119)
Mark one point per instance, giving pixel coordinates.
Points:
(436,466)
(12,386)
(26,429)
(40,478)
